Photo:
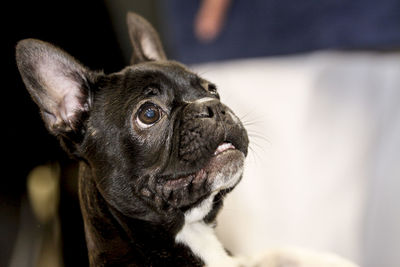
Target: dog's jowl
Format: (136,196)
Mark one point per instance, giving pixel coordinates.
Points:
(157,150)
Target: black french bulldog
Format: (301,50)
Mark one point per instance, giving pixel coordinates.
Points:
(157,151)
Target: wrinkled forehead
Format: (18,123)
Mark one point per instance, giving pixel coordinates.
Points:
(170,77)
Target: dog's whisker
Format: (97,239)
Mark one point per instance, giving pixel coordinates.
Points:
(254,144)
(252,117)
(251,123)
(202,73)
(260,137)
(243,117)
(256,156)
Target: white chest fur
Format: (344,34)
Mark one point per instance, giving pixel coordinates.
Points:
(201,239)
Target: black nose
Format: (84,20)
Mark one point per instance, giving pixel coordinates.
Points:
(207,108)
(205,112)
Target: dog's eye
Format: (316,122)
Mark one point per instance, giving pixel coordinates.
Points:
(148,115)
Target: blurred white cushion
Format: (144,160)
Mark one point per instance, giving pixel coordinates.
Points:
(324,130)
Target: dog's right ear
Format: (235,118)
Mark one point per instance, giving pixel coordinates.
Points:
(57,83)
(144,39)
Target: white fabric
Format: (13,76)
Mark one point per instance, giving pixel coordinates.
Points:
(322,170)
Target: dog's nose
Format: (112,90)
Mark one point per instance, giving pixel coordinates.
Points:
(205,112)
(206,108)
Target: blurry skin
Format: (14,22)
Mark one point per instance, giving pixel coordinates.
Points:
(210,19)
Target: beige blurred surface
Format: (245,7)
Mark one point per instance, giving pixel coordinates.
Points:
(39,238)
(321,172)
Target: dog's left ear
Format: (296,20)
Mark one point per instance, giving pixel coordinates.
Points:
(57,82)
(144,39)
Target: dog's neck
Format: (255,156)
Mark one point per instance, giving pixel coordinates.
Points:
(113,238)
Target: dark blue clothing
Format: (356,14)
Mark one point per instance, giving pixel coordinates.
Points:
(255,28)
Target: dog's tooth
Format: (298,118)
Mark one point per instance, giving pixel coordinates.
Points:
(223,147)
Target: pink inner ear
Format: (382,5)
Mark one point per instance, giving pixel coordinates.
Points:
(149,48)
(63,93)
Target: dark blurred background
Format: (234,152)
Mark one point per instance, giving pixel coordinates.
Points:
(95,33)
(82,28)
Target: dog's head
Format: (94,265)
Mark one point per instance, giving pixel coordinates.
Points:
(155,135)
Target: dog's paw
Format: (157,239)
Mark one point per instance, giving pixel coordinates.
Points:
(288,257)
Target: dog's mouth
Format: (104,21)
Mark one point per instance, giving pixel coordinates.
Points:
(222,171)
(202,173)
(224,147)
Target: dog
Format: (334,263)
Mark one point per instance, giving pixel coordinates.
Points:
(157,148)
(158,151)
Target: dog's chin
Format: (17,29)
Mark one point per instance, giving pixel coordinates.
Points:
(225,169)
(222,172)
